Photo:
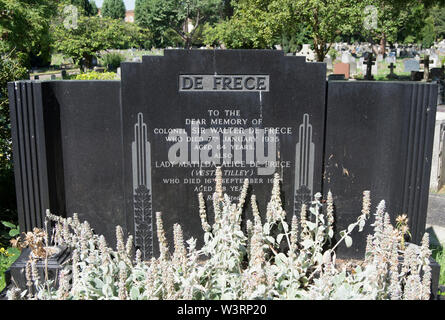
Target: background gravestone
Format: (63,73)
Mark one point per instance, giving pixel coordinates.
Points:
(342,68)
(328,61)
(436,62)
(353,65)
(411,65)
(346,57)
(180,111)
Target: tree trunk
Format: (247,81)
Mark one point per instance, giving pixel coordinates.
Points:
(188,42)
(320,53)
(383,44)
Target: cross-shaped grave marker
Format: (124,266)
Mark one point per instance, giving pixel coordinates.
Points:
(426,67)
(391,75)
(369,61)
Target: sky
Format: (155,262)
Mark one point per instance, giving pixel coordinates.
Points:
(129,4)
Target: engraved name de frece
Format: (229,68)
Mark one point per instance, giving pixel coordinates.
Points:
(224,83)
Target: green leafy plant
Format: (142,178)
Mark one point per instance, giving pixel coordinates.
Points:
(25,29)
(438,254)
(93,75)
(112,60)
(7,257)
(333,54)
(13,229)
(94,34)
(114,9)
(271,259)
(175,22)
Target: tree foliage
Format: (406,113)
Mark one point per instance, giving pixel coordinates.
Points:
(252,26)
(114,9)
(263,23)
(172,20)
(94,34)
(24,28)
(402,20)
(325,18)
(94,10)
(428,33)
(86,7)
(438,15)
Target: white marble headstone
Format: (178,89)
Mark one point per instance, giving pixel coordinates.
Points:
(345,56)
(353,65)
(436,62)
(328,61)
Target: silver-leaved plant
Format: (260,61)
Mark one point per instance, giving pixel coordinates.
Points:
(268,260)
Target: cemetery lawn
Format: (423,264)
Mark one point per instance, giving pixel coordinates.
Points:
(383,70)
(6,259)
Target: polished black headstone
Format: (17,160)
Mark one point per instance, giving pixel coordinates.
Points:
(112,152)
(379,137)
(182,110)
(68,152)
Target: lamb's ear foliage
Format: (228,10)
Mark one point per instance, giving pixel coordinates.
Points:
(274,258)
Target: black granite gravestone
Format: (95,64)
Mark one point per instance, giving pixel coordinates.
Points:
(68,152)
(437,74)
(254,112)
(379,137)
(116,152)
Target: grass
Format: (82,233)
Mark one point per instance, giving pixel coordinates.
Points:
(6,259)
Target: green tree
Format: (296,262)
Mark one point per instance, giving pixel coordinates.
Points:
(428,33)
(24,28)
(326,19)
(94,10)
(397,19)
(86,7)
(170,19)
(252,25)
(263,23)
(114,9)
(438,15)
(94,34)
